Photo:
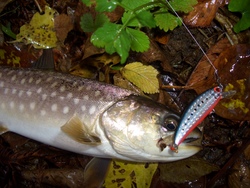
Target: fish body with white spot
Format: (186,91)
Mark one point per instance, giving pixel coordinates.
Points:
(87,117)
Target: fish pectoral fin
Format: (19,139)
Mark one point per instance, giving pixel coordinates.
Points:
(95,172)
(3,129)
(76,130)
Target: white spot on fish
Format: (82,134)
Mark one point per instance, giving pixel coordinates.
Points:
(69,95)
(20,93)
(21,107)
(13,78)
(54,84)
(75,84)
(39,90)
(14,91)
(80,88)
(38,81)
(62,88)
(20,73)
(97,93)
(6,90)
(86,97)
(29,93)
(32,105)
(88,87)
(54,107)
(65,109)
(44,96)
(43,112)
(83,108)
(92,110)
(76,101)
(23,81)
(12,104)
(49,79)
(31,80)
(53,94)
(1,84)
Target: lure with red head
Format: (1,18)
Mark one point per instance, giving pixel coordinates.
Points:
(196,113)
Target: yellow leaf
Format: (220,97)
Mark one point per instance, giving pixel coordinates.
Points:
(143,76)
(40,31)
(124,174)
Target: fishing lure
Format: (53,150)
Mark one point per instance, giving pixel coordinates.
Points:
(196,113)
(201,106)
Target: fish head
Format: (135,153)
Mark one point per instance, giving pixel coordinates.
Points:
(142,130)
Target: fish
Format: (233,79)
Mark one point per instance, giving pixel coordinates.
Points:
(195,113)
(89,117)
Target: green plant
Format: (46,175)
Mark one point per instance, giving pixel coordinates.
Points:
(242,6)
(125,35)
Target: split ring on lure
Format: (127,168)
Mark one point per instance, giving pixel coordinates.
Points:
(196,113)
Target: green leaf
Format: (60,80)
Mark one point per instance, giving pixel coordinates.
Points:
(122,45)
(139,40)
(142,19)
(124,174)
(167,21)
(7,30)
(191,169)
(143,76)
(183,5)
(104,36)
(106,5)
(88,2)
(113,38)
(88,24)
(130,5)
(242,6)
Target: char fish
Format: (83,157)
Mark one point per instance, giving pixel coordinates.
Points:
(88,117)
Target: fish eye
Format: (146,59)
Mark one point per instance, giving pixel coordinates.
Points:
(170,124)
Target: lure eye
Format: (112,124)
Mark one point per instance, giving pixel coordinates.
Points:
(170,124)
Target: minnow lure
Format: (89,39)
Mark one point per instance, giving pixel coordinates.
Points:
(196,113)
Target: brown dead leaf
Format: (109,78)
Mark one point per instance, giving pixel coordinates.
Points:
(234,69)
(154,53)
(115,15)
(63,24)
(203,13)
(202,77)
(18,56)
(89,49)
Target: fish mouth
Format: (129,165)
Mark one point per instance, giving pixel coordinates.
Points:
(193,141)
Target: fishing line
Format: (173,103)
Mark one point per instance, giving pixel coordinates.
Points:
(217,77)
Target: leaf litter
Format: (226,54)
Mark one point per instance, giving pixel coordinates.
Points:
(40,160)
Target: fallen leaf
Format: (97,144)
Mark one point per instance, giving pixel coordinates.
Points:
(63,24)
(154,53)
(124,174)
(203,13)
(234,68)
(40,31)
(143,76)
(20,56)
(202,78)
(187,170)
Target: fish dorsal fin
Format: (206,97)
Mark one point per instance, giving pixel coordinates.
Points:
(76,130)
